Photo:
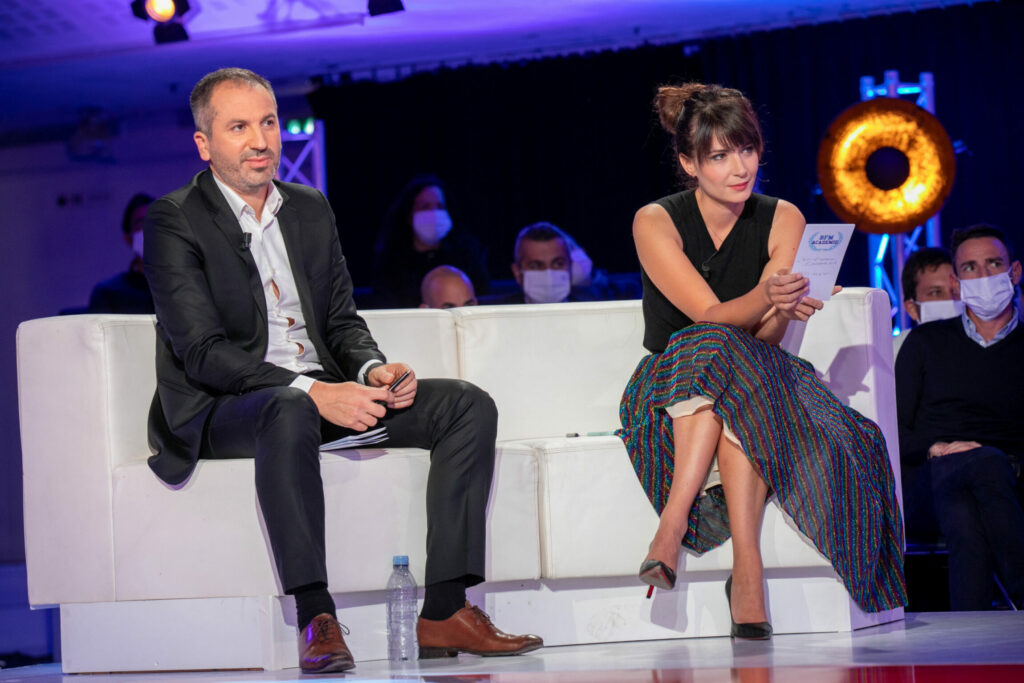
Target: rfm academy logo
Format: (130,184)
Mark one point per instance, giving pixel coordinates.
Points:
(825,241)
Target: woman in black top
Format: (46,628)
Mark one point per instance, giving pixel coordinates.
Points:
(718,295)
(417,236)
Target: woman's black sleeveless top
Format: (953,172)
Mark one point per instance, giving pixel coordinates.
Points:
(731,271)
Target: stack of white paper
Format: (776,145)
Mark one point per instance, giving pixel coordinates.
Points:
(366,438)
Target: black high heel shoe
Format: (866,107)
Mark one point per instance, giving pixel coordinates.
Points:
(657,574)
(754,630)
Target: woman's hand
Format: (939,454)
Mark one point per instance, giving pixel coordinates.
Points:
(787,292)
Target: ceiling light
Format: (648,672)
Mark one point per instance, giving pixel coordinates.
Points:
(167,15)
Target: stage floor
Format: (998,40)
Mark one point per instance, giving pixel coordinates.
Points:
(925,648)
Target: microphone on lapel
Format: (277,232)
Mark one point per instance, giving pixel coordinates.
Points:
(246,241)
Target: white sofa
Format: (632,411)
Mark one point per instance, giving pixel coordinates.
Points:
(147,576)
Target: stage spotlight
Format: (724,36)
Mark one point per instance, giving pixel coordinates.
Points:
(166,14)
(375,7)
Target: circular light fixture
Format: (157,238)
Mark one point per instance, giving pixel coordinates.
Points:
(161,10)
(886,165)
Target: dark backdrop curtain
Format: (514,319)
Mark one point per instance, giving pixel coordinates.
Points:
(573,140)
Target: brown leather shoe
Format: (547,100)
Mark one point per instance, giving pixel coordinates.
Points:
(469,630)
(322,648)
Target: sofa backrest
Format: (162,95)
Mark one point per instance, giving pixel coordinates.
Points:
(555,369)
(552,369)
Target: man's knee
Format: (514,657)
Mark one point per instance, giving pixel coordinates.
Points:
(477,401)
(288,408)
(457,402)
(990,468)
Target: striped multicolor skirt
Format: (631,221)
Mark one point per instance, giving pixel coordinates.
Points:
(826,463)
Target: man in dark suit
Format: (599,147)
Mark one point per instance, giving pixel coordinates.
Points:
(261,354)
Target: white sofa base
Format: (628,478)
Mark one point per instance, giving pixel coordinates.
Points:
(259,632)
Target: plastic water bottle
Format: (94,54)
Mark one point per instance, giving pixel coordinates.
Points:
(402,612)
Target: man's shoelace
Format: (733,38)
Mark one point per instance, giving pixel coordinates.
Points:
(324,629)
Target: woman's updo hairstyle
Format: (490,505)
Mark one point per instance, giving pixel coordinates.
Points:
(694,114)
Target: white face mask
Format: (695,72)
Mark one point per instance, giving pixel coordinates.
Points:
(546,286)
(939,310)
(987,296)
(431,226)
(137,243)
(581,267)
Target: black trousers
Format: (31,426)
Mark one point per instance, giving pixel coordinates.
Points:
(970,499)
(281,428)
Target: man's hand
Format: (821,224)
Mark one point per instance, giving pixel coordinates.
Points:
(349,404)
(941,448)
(384,375)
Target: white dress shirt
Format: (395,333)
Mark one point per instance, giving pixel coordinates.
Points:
(288,343)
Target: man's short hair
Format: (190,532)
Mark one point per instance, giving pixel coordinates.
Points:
(199,100)
(980,230)
(139,200)
(540,232)
(925,258)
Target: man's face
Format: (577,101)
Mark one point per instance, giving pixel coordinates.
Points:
(933,284)
(244,142)
(547,255)
(983,257)
(449,291)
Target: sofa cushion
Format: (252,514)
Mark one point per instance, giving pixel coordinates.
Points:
(207,540)
(597,521)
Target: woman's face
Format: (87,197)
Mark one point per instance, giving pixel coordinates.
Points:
(429,199)
(727,175)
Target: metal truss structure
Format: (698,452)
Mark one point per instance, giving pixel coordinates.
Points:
(888,253)
(302,154)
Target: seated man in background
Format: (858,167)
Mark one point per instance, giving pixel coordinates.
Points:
(446,287)
(960,404)
(127,292)
(927,280)
(542,268)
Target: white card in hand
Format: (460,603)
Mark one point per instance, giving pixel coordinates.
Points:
(820,254)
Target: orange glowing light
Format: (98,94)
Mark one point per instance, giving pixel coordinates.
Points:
(161,10)
(869,126)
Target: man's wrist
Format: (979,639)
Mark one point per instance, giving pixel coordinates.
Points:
(364,372)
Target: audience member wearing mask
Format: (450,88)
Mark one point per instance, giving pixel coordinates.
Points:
(960,406)
(127,292)
(543,268)
(418,235)
(446,287)
(928,289)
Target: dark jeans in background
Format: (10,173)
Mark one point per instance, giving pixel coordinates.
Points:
(970,499)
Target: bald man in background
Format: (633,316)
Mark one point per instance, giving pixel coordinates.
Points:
(446,287)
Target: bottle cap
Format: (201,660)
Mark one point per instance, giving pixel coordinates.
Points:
(400,561)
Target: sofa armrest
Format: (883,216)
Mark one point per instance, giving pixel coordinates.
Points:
(84,388)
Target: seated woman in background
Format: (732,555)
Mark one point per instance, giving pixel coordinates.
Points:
(717,296)
(417,236)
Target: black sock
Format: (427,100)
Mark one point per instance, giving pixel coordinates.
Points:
(310,601)
(443,599)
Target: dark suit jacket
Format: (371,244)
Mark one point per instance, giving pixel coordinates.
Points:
(212,313)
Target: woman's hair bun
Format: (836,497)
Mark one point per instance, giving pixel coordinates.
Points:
(670,100)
